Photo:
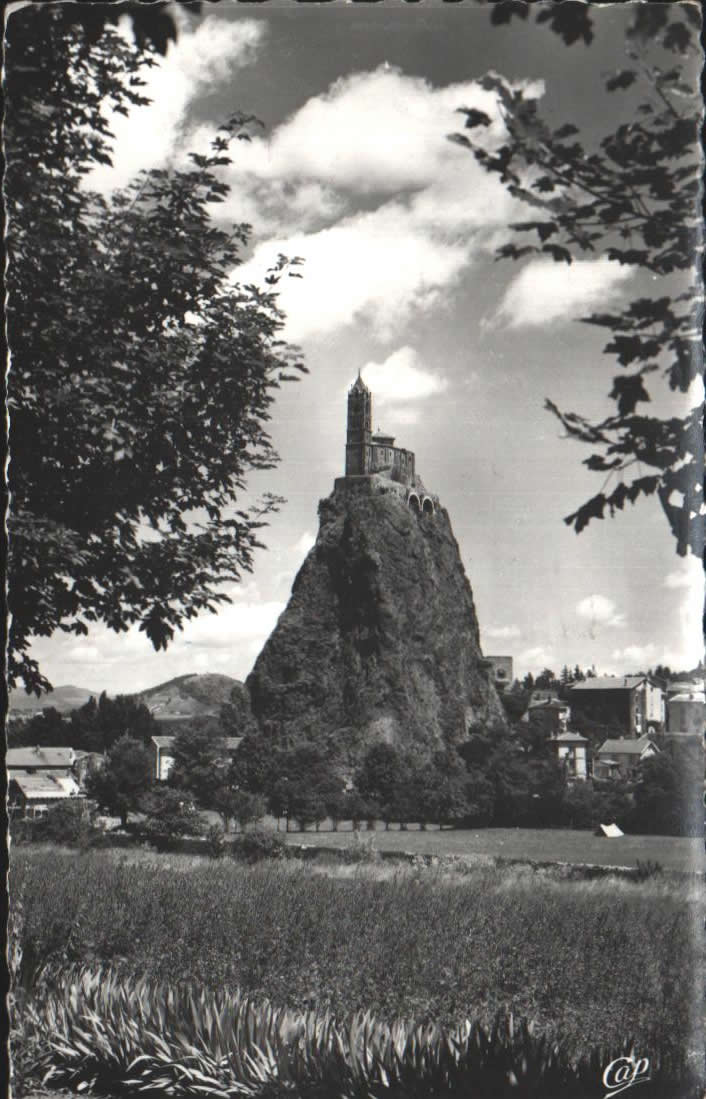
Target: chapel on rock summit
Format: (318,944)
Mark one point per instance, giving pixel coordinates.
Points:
(370,454)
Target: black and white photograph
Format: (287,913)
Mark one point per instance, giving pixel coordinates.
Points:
(356,717)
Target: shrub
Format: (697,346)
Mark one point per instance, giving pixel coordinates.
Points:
(361,849)
(67,822)
(215,841)
(170,813)
(235,1045)
(255,846)
(648,868)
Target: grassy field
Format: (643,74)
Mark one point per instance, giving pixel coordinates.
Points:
(533,844)
(588,961)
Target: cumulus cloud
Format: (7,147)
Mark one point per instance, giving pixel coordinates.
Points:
(688,574)
(401,378)
(502,633)
(637,656)
(537,657)
(599,611)
(375,139)
(201,59)
(229,641)
(378,132)
(360,181)
(376,267)
(545,292)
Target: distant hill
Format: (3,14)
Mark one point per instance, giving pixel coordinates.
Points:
(63,699)
(188,696)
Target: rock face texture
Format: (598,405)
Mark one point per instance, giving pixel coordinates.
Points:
(379,640)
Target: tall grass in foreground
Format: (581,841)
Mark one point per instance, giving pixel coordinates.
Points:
(584,961)
(115,1035)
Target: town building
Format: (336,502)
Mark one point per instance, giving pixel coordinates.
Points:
(34,760)
(633,703)
(620,757)
(501,667)
(553,711)
(32,795)
(162,748)
(571,750)
(686,713)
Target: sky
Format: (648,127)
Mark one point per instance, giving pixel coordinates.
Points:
(398,229)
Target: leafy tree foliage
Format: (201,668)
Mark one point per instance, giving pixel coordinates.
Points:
(301,784)
(633,199)
(253,767)
(66,822)
(596,727)
(669,791)
(142,374)
(94,727)
(509,786)
(200,766)
(120,783)
(46,729)
(170,814)
(382,773)
(237,805)
(514,704)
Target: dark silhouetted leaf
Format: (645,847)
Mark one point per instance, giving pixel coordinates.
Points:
(621,80)
(677,37)
(504,11)
(628,391)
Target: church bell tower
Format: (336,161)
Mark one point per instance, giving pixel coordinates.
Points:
(359,429)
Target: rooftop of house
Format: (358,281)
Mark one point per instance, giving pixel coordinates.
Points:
(569,738)
(27,758)
(231,742)
(45,786)
(609,683)
(679,685)
(688,696)
(626,746)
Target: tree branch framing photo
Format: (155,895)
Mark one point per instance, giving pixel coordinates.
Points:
(356,714)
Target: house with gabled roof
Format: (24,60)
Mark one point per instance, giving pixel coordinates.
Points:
(33,795)
(162,748)
(634,703)
(621,756)
(34,760)
(553,710)
(571,750)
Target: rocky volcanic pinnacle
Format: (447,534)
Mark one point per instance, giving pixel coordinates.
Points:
(379,640)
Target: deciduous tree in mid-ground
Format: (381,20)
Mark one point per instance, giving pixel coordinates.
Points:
(380,778)
(201,766)
(170,814)
(237,805)
(142,374)
(634,198)
(119,785)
